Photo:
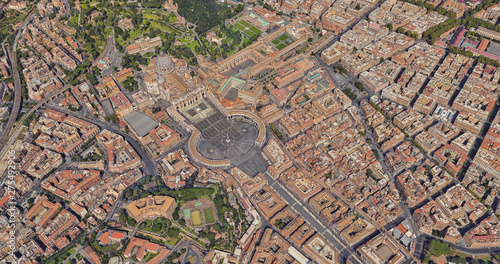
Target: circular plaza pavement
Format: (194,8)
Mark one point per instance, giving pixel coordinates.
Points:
(233,140)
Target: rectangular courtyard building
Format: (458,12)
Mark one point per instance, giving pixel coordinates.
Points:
(151,207)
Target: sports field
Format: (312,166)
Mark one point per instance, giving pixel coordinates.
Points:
(199,212)
(209,215)
(196,217)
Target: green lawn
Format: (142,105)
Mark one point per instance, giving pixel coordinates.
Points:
(281,46)
(276,41)
(245,27)
(238,26)
(192,45)
(172,19)
(160,26)
(209,215)
(213,50)
(151,16)
(149,256)
(227,40)
(133,34)
(246,40)
(229,53)
(249,33)
(186,39)
(146,225)
(255,30)
(157,221)
(73,20)
(172,241)
(283,37)
(108,31)
(244,23)
(234,29)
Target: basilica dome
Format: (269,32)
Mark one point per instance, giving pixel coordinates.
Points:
(164,64)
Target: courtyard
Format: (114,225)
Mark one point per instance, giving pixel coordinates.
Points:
(246,28)
(282,41)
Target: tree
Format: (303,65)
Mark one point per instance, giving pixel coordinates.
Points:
(173,232)
(175,214)
(131,222)
(390,26)
(28,119)
(118,31)
(182,222)
(205,14)
(211,236)
(350,94)
(113,118)
(156,228)
(130,84)
(437,248)
(360,86)
(96,70)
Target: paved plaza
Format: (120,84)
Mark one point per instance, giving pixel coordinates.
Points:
(225,139)
(222,138)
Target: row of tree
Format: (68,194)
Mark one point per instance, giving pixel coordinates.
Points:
(468,21)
